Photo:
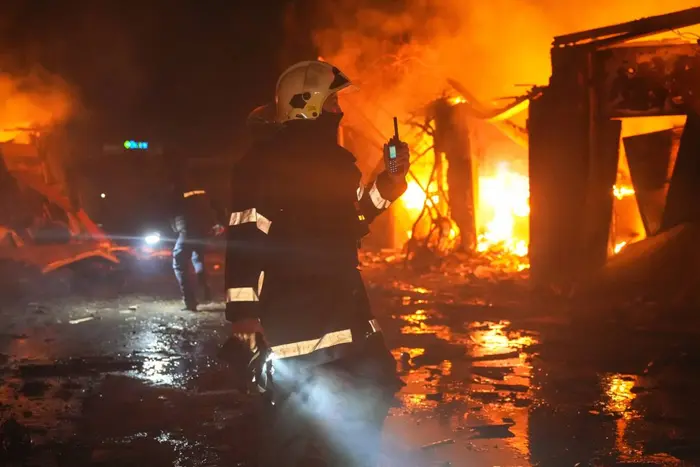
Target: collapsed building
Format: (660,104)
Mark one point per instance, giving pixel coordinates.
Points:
(600,167)
(585,128)
(42,227)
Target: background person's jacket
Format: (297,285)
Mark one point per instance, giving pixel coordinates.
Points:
(194,213)
(298,213)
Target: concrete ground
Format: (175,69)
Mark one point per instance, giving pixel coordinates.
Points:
(494,377)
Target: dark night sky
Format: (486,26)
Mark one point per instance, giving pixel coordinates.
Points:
(184,72)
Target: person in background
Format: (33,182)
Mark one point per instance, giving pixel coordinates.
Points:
(194,220)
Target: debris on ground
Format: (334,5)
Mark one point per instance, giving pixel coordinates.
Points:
(15,440)
(492,431)
(436,444)
(513,381)
(490,372)
(492,357)
(33,389)
(81,320)
(77,367)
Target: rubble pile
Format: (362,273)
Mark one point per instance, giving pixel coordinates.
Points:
(492,265)
(15,441)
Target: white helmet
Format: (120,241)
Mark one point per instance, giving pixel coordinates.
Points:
(303,88)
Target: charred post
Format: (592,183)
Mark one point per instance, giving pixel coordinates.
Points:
(559,127)
(575,129)
(452,139)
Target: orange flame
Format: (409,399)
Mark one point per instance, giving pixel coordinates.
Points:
(31,103)
(504,202)
(622,191)
(402,58)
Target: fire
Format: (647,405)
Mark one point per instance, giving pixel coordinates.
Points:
(504,201)
(27,104)
(404,75)
(414,198)
(627,226)
(619,246)
(503,209)
(623,232)
(622,191)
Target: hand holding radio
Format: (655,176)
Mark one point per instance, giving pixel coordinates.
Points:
(396,154)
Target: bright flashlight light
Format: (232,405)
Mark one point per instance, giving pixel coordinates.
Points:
(152,239)
(103,195)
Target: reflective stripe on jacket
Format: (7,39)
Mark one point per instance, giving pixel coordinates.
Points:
(298,212)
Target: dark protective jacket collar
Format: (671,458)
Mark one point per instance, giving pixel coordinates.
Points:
(324,129)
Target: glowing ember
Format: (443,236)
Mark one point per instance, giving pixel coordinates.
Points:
(503,199)
(622,191)
(619,246)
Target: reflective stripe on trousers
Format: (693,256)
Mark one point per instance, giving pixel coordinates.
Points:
(297,349)
(193,193)
(246,294)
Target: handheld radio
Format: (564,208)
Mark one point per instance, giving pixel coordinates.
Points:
(391,154)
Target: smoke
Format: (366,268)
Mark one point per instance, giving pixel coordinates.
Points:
(402,52)
(35,100)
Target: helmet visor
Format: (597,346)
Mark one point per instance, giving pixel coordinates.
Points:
(341,83)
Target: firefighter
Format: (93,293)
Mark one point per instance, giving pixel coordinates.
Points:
(293,285)
(194,218)
(261,122)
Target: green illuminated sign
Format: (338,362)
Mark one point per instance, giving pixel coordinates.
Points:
(135,145)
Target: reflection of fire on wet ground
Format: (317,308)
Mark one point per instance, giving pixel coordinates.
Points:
(529,376)
(481,354)
(477,367)
(475,373)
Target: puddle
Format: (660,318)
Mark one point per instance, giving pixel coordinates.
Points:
(506,389)
(560,407)
(76,367)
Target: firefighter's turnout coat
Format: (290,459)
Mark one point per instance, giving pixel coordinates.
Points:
(298,213)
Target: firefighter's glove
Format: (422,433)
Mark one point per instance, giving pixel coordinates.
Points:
(249,332)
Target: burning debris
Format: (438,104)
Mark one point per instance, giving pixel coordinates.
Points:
(411,59)
(457,201)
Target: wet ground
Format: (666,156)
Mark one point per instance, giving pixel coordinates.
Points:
(495,377)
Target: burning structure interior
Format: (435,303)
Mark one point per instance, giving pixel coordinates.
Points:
(603,159)
(606,89)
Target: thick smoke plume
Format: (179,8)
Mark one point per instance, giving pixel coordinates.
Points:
(33,101)
(402,52)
